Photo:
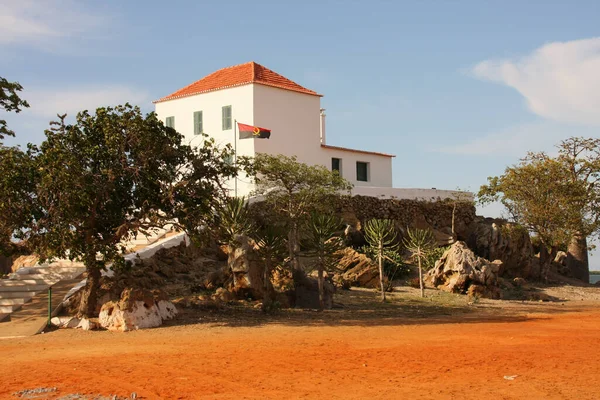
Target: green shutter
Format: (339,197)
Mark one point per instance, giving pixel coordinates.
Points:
(170,122)
(226,118)
(198,130)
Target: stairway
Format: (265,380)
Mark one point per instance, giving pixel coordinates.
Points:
(21,286)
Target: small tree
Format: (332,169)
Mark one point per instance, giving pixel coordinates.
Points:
(325,246)
(420,242)
(9,101)
(381,234)
(271,248)
(294,190)
(459,197)
(233,218)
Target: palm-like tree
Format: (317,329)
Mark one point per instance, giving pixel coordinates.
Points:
(272,248)
(381,235)
(420,242)
(325,246)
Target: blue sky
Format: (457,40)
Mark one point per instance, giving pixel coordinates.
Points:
(456,89)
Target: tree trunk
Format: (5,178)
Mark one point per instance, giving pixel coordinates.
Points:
(293,246)
(546,260)
(89,296)
(268,287)
(421,278)
(321,284)
(380,259)
(577,258)
(453,218)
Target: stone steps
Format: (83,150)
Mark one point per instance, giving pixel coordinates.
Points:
(23,288)
(25,282)
(9,302)
(10,308)
(17,295)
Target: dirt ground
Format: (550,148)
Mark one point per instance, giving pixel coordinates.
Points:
(443,347)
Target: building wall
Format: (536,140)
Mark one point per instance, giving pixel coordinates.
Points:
(294,121)
(379,170)
(241,101)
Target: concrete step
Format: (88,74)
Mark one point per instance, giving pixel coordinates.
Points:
(4,317)
(25,294)
(23,288)
(45,277)
(10,308)
(10,302)
(23,282)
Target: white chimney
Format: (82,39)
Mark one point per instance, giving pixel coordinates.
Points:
(323,126)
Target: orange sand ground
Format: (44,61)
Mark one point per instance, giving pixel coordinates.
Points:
(555,356)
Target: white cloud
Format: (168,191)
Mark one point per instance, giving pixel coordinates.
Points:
(44,23)
(518,140)
(560,81)
(48,102)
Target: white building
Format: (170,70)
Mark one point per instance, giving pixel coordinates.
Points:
(254,95)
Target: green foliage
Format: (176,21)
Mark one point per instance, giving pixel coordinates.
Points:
(554,197)
(394,266)
(233,218)
(380,233)
(420,242)
(9,101)
(322,241)
(106,177)
(381,236)
(432,257)
(294,190)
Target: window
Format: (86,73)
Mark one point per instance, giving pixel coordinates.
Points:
(229,159)
(198,123)
(336,165)
(170,122)
(362,171)
(226,117)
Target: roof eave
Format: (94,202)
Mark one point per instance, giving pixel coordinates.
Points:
(373,153)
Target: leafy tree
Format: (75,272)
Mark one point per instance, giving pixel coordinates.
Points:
(421,243)
(294,190)
(111,175)
(272,248)
(10,101)
(325,246)
(556,198)
(381,235)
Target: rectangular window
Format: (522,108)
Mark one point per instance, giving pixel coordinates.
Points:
(362,171)
(336,165)
(198,123)
(170,122)
(226,113)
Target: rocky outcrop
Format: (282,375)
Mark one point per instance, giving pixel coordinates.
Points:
(247,269)
(461,271)
(306,292)
(24,262)
(356,269)
(495,239)
(137,309)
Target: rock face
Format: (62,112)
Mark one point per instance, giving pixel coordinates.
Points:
(246,268)
(24,261)
(495,239)
(356,269)
(137,309)
(461,271)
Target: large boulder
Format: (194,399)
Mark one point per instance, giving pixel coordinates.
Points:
(495,239)
(459,269)
(246,268)
(137,309)
(357,269)
(306,292)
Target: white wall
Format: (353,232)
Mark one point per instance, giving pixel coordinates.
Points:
(410,194)
(379,170)
(241,100)
(294,120)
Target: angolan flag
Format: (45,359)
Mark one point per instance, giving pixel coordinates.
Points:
(248,131)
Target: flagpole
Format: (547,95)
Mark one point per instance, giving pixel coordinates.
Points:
(235,153)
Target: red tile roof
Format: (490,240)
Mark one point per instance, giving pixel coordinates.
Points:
(238,75)
(374,153)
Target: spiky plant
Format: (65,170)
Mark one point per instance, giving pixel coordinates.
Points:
(380,235)
(272,248)
(233,218)
(324,245)
(420,242)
